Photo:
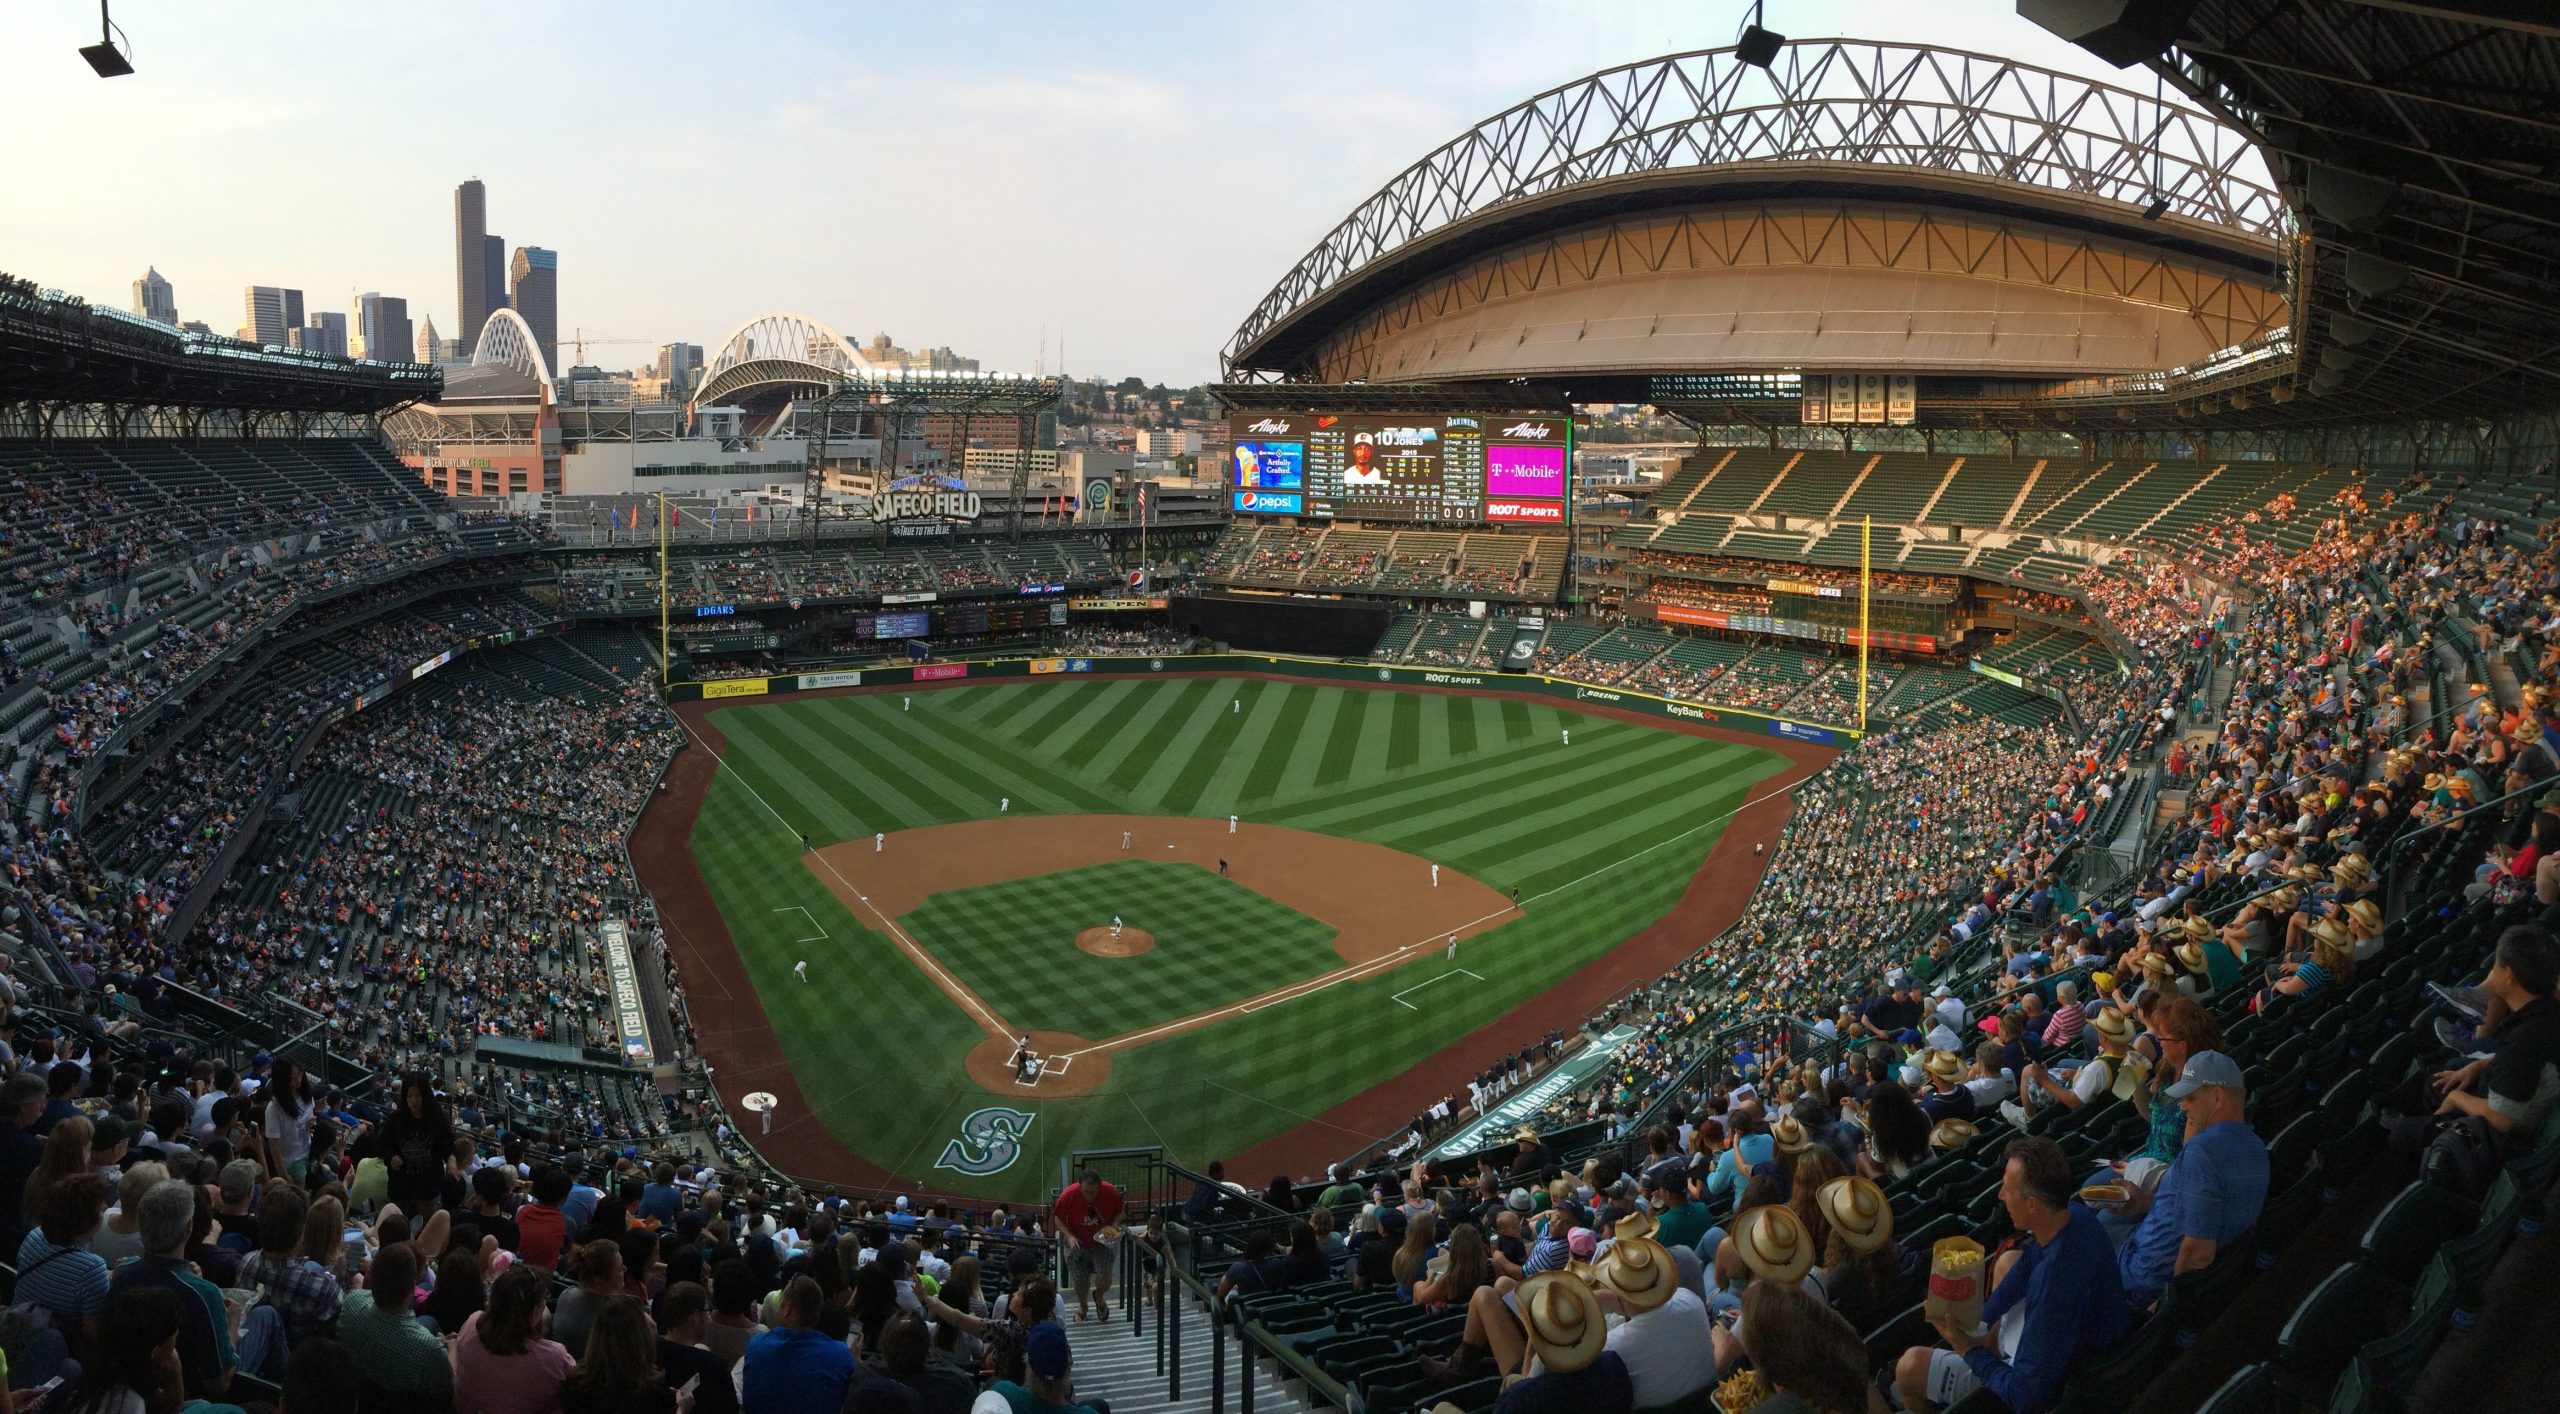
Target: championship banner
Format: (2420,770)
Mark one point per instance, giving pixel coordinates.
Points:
(1902,400)
(810,682)
(1844,397)
(1871,398)
(628,1015)
(736,687)
(938,672)
(1495,1125)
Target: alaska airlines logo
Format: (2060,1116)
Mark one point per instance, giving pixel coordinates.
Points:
(1269,425)
(1527,429)
(990,1140)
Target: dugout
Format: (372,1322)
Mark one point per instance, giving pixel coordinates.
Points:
(1325,628)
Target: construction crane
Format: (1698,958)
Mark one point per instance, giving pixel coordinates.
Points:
(580,338)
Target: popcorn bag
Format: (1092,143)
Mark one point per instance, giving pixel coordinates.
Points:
(1956,1274)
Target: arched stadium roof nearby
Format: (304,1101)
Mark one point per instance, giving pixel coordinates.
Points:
(779,351)
(506,341)
(1830,111)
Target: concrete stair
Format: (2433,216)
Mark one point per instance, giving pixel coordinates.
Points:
(1117,1362)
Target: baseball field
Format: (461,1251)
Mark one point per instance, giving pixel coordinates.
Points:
(1209,901)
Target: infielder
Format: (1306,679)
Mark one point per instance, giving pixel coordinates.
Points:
(1453,947)
(1231,824)
(1004,804)
(879,842)
(1435,879)
(1124,839)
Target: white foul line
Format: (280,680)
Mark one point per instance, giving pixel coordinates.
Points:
(813,922)
(1399,998)
(994,1024)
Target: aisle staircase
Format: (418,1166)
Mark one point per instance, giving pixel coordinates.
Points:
(1119,1363)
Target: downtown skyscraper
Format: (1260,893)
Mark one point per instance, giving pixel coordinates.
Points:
(479,263)
(153,299)
(533,290)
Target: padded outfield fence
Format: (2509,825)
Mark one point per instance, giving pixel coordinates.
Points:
(1278,665)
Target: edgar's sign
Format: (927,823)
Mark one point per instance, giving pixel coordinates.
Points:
(990,1140)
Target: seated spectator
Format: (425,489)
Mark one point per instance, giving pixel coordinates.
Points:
(304,1296)
(1050,1388)
(119,1237)
(682,1313)
(502,1362)
(1571,1369)
(598,1269)
(1991,1086)
(619,1372)
(2093,1081)
(2209,1199)
(1897,1133)
(1946,1098)
(56,1270)
(399,1353)
(2055,1300)
(1256,1271)
(542,1226)
(1466,1266)
(134,1364)
(795,1368)
(1860,1266)
(2515,1089)
(907,1356)
(1808,1356)
(461,1292)
(165,1216)
(732,1327)
(1664,1338)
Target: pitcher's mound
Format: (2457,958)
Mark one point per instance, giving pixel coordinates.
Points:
(1130,942)
(1061,1076)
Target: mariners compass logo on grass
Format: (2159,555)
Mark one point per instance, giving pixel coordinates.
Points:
(990,1140)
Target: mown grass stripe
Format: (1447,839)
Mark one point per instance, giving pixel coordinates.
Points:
(1280,743)
(1180,780)
(847,802)
(1431,749)
(1043,731)
(1404,730)
(976,789)
(1420,800)
(1516,725)
(1151,731)
(1101,720)
(1298,776)
(920,798)
(1342,744)
(1465,713)
(1527,807)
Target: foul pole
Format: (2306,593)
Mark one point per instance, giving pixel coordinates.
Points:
(1866,586)
(666,665)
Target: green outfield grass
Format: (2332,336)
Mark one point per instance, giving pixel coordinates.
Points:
(1599,836)
(1215,941)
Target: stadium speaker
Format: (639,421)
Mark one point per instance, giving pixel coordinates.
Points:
(2327,381)
(2347,331)
(2158,208)
(2372,276)
(1758,47)
(2343,360)
(2121,32)
(2351,199)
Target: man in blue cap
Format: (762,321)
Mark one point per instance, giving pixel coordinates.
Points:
(2209,1199)
(1048,1361)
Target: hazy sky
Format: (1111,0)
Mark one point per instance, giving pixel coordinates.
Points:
(1136,174)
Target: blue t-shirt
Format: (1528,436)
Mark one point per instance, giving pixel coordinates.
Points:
(791,1371)
(658,1201)
(2214,1191)
(2075,1311)
(579,1208)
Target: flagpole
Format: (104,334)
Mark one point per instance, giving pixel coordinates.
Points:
(666,674)
(1866,587)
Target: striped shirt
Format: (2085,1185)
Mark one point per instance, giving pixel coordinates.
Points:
(70,1282)
(2064,1029)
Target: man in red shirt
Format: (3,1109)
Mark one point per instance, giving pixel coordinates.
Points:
(540,1223)
(1088,1214)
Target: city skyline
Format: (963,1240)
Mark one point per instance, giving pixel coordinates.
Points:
(988,178)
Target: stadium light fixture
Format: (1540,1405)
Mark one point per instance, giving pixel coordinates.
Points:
(104,56)
(1758,47)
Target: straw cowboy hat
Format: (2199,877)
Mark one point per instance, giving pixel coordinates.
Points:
(2367,914)
(1856,1210)
(2113,1026)
(2283,900)
(2332,932)
(1788,1133)
(1637,1224)
(2351,869)
(1525,1134)
(1945,1065)
(1639,1270)
(2199,928)
(2434,782)
(2155,965)
(2305,873)
(2190,955)
(1564,1321)
(1951,1133)
(1773,1244)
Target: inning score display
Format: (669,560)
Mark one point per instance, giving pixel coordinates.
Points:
(1456,468)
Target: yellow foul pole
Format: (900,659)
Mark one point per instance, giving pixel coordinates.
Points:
(1866,583)
(666,665)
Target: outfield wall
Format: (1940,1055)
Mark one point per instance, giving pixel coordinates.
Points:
(1311,669)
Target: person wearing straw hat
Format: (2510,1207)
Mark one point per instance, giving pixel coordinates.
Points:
(1563,1327)
(1860,1264)
(1949,1134)
(1946,1098)
(2332,959)
(1658,1326)
(2094,1078)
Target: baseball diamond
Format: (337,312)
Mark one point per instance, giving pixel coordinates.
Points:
(1269,995)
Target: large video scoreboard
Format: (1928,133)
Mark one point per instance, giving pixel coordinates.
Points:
(1454,468)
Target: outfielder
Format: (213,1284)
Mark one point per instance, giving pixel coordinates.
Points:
(800,969)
